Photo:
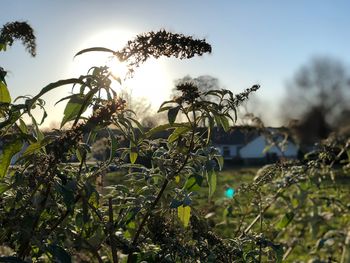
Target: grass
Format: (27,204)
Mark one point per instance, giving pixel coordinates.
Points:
(308,227)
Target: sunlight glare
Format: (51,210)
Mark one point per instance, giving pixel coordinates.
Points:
(150,82)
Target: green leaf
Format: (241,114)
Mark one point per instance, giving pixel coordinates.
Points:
(22,126)
(73,107)
(138,124)
(133,152)
(114,145)
(59,254)
(172,113)
(220,161)
(184,214)
(175,203)
(165,108)
(3,47)
(279,253)
(54,85)
(36,146)
(9,150)
(285,220)
(164,103)
(67,194)
(221,120)
(177,132)
(3,188)
(4,93)
(93,49)
(211,177)
(224,123)
(194,182)
(163,127)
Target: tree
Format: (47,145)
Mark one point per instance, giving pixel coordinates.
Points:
(318,94)
(142,109)
(204,83)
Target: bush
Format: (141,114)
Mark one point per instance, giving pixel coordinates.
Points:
(52,210)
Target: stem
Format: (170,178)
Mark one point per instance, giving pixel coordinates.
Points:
(256,219)
(23,250)
(111,231)
(261,224)
(165,184)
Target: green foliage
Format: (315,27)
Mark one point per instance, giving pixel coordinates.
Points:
(10,148)
(4,93)
(54,210)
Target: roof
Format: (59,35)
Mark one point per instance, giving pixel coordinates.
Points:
(238,135)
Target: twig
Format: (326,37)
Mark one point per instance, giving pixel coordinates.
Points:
(256,219)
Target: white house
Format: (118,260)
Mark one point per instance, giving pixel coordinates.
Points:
(260,149)
(229,143)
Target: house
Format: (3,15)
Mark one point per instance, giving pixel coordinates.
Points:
(249,145)
(261,150)
(229,143)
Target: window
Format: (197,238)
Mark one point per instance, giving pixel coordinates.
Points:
(226,151)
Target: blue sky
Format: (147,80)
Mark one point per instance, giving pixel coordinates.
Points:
(262,42)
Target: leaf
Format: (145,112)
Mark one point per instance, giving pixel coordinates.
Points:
(93,49)
(220,161)
(133,152)
(285,220)
(138,124)
(184,214)
(39,135)
(211,177)
(175,203)
(163,127)
(4,93)
(54,85)
(224,123)
(164,109)
(193,182)
(73,107)
(59,254)
(3,188)
(114,145)
(36,146)
(177,132)
(22,126)
(172,113)
(164,103)
(3,46)
(9,150)
(279,252)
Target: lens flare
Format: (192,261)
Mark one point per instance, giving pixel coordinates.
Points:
(230,193)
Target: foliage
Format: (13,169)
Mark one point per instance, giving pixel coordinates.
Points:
(53,210)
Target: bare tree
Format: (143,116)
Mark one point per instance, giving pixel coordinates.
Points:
(143,109)
(317,95)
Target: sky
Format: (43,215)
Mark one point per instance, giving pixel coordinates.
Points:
(254,42)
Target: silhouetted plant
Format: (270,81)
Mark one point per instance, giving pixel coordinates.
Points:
(52,210)
(18,31)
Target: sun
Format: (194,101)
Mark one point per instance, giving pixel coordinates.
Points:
(150,81)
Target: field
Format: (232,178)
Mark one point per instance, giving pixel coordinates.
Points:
(308,221)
